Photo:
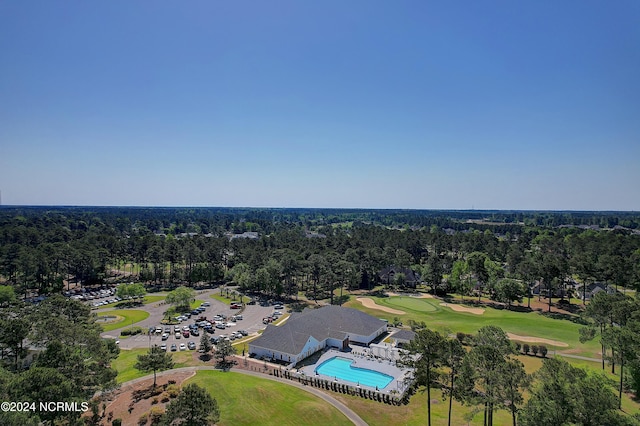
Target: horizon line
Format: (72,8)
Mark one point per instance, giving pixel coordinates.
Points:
(311,208)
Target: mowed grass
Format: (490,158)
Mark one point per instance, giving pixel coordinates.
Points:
(221,298)
(127,317)
(251,400)
(415,413)
(153,299)
(446,320)
(125,362)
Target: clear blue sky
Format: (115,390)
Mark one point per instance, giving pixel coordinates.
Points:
(372,104)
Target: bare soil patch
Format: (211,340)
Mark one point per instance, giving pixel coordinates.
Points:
(367,302)
(118,407)
(530,339)
(458,308)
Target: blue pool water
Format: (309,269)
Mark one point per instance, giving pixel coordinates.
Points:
(342,369)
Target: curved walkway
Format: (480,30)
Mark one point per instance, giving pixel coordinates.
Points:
(350,414)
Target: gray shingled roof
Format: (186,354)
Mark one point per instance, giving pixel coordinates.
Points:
(329,321)
(407,335)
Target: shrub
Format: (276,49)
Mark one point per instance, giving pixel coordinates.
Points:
(154,401)
(155,415)
(165,398)
(116,422)
(518,346)
(131,331)
(173,391)
(171,382)
(526,349)
(543,351)
(535,349)
(143,419)
(460,336)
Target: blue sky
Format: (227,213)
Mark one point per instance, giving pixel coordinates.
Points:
(366,104)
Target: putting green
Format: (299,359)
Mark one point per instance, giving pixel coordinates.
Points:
(410,304)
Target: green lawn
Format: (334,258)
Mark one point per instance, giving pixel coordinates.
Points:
(250,400)
(127,358)
(126,317)
(444,319)
(152,299)
(221,298)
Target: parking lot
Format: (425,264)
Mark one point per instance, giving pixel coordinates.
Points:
(251,322)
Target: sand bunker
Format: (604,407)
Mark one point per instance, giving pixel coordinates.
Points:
(529,339)
(371,304)
(458,308)
(424,296)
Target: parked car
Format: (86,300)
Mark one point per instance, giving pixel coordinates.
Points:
(191,346)
(243,332)
(178,335)
(163,346)
(174,347)
(165,336)
(183,347)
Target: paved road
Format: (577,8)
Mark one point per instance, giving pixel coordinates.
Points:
(252,321)
(350,414)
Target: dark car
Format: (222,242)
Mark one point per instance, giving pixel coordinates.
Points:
(174,347)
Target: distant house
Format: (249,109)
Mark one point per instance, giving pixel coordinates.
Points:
(388,275)
(540,289)
(313,234)
(312,330)
(592,289)
(245,235)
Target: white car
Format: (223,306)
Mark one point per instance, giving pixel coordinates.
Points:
(183,347)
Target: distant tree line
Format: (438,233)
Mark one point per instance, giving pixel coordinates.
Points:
(496,254)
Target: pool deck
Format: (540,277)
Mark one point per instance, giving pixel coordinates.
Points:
(362,361)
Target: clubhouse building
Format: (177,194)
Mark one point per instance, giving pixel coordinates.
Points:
(312,330)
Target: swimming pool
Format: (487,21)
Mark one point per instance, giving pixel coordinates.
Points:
(342,369)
